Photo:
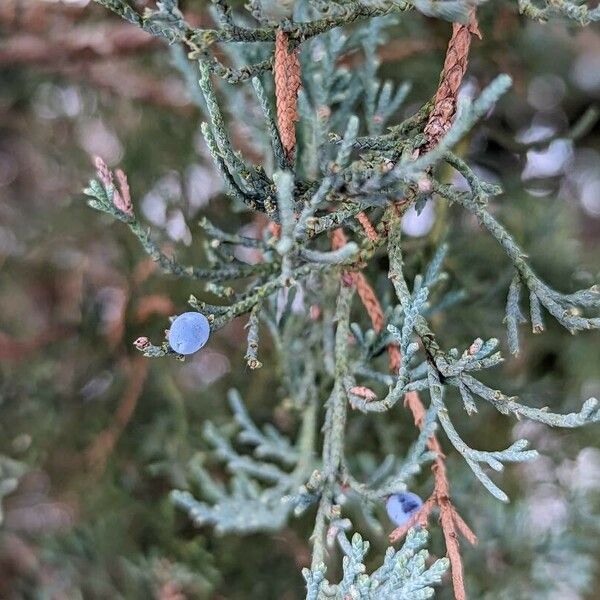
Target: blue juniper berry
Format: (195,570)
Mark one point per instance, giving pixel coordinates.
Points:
(401,507)
(189,332)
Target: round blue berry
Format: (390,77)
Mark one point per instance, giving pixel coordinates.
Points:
(401,507)
(189,332)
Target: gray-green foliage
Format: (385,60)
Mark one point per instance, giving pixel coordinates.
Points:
(337,174)
(259,482)
(403,574)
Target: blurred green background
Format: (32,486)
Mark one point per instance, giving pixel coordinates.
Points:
(97,436)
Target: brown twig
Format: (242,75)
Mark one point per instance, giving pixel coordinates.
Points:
(370,231)
(451,522)
(365,291)
(455,66)
(287,77)
(286,70)
(287,81)
(33,15)
(440,120)
(58,39)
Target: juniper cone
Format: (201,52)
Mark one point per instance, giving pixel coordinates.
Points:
(357,314)
(401,507)
(188,333)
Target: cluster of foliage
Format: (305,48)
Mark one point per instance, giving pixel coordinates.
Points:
(322,353)
(345,170)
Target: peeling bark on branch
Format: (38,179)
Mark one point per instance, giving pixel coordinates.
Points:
(286,70)
(455,67)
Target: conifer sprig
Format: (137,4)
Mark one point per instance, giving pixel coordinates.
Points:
(335,185)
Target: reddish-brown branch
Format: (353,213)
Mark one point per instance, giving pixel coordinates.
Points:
(370,302)
(453,72)
(33,15)
(365,291)
(451,522)
(370,231)
(286,71)
(440,120)
(56,38)
(287,81)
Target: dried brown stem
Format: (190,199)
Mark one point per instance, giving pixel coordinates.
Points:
(286,70)
(365,291)
(59,39)
(451,522)
(440,120)
(370,231)
(453,72)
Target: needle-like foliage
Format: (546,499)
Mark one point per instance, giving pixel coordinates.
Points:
(355,167)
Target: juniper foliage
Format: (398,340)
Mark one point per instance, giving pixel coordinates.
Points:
(345,165)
